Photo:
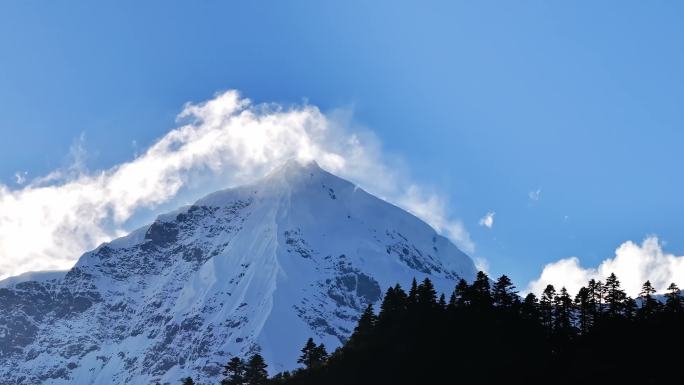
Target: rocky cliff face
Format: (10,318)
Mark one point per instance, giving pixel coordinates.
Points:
(258,268)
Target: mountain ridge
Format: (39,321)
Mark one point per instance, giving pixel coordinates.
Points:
(259,267)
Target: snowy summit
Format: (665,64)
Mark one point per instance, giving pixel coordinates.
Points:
(261,267)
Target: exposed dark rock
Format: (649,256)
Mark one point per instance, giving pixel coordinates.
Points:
(368,288)
(162,233)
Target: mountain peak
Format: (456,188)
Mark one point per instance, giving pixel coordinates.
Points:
(290,176)
(294,169)
(296,164)
(261,267)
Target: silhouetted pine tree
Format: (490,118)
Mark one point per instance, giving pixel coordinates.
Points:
(563,313)
(442,304)
(234,372)
(673,299)
(255,370)
(451,305)
(629,308)
(401,296)
(460,296)
(614,296)
(480,295)
(595,298)
(311,355)
(503,292)
(187,381)
(321,353)
(584,310)
(546,308)
(364,327)
(530,307)
(388,307)
(413,293)
(393,305)
(426,296)
(649,305)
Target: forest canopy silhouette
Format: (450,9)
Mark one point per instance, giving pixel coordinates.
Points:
(485,333)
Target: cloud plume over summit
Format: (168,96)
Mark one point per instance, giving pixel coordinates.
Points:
(48,222)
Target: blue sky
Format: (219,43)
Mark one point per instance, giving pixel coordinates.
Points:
(485,101)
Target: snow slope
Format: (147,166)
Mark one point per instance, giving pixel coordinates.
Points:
(40,276)
(257,268)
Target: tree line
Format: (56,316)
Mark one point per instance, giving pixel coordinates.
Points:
(485,333)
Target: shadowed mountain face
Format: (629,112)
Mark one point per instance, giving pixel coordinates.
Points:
(258,268)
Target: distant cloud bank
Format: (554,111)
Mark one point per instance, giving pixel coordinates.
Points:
(633,264)
(48,222)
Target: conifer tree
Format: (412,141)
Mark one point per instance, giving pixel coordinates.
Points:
(401,297)
(315,355)
(460,296)
(649,305)
(442,304)
(234,372)
(187,381)
(584,309)
(255,370)
(629,308)
(426,295)
(595,297)
(413,293)
(451,306)
(401,300)
(563,313)
(388,306)
(673,299)
(308,357)
(503,292)
(364,327)
(393,305)
(480,291)
(366,321)
(614,296)
(320,354)
(546,307)
(530,307)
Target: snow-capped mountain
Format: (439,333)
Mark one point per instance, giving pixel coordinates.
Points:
(262,267)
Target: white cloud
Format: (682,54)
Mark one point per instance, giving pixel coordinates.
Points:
(633,264)
(534,195)
(432,208)
(20,177)
(481,264)
(488,220)
(225,141)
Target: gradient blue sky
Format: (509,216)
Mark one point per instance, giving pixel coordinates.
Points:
(486,101)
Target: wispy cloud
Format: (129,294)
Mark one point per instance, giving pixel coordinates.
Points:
(534,195)
(48,222)
(633,264)
(481,264)
(488,220)
(432,208)
(20,177)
